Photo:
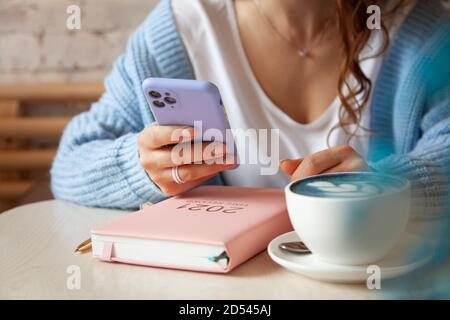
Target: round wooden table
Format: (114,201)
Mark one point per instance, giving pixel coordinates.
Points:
(37,261)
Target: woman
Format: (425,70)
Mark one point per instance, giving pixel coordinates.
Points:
(344,97)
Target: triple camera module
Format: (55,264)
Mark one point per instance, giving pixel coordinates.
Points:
(161,102)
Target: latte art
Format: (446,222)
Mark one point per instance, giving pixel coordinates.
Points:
(346,185)
(345,189)
(349,218)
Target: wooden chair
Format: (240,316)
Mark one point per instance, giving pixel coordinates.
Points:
(18,157)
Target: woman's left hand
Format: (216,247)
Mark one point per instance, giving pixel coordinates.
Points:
(337,159)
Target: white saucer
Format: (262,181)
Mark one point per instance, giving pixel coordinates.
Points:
(411,253)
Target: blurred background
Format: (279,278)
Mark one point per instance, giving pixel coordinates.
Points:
(48,73)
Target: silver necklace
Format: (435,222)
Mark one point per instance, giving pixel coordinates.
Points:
(302,52)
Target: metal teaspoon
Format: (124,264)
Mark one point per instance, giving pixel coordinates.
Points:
(294,247)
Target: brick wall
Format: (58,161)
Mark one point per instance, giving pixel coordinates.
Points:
(36,46)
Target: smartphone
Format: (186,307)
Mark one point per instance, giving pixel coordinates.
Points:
(192,103)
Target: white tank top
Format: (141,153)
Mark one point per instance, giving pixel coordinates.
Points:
(210,34)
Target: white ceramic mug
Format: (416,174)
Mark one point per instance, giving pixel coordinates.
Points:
(350,230)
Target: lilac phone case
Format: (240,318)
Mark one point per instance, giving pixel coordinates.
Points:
(187,101)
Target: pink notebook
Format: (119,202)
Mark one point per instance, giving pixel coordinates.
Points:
(210,228)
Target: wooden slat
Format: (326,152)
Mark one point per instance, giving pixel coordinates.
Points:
(24,128)
(16,163)
(9,108)
(52,92)
(26,159)
(14,190)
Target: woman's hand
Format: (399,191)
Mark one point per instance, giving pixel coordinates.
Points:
(337,159)
(158,156)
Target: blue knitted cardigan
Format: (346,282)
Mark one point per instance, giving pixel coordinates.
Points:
(97,163)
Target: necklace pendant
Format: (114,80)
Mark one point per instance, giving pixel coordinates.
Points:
(303,53)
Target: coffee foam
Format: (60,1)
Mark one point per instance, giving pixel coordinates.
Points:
(346,185)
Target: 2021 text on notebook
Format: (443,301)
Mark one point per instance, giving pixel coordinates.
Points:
(210,228)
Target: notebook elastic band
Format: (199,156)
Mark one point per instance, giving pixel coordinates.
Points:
(107,251)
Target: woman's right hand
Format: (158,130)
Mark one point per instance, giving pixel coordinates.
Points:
(157,153)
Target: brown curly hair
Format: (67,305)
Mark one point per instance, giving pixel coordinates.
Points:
(352,16)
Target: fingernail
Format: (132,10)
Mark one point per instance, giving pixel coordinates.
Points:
(188,132)
(218,149)
(217,153)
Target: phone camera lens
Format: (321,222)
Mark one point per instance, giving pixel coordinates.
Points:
(155,94)
(158,103)
(170,100)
